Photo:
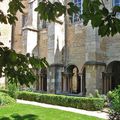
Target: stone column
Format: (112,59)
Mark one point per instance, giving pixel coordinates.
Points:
(94,77)
(54,80)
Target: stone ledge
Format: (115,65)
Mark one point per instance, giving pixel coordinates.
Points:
(57,65)
(95,63)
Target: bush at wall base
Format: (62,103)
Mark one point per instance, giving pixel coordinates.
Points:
(114,99)
(68,101)
(12,90)
(5,99)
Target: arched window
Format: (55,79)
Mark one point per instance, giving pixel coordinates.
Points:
(76,17)
(116,2)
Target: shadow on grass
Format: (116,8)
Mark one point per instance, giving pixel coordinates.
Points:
(21,117)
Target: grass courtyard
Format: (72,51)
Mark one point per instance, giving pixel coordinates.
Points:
(29,112)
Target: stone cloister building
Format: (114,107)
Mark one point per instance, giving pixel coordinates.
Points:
(80,60)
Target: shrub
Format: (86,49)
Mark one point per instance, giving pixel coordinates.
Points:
(12,90)
(5,99)
(3,90)
(97,94)
(90,95)
(68,101)
(114,99)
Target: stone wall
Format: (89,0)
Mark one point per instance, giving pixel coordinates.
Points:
(43,43)
(94,78)
(112,49)
(69,43)
(17,42)
(75,36)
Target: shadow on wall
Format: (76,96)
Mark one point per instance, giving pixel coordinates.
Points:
(20,117)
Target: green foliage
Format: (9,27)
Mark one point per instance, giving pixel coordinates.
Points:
(97,94)
(109,95)
(5,99)
(18,68)
(3,91)
(95,11)
(12,90)
(14,7)
(68,101)
(90,95)
(115,104)
(115,100)
(107,21)
(51,11)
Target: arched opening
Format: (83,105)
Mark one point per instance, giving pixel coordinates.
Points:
(71,80)
(111,79)
(43,80)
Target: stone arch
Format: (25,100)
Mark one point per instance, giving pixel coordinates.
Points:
(70,67)
(72,79)
(112,76)
(114,69)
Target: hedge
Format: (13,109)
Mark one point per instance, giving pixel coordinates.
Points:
(67,101)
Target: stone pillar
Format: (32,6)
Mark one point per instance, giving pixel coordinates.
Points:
(64,79)
(54,80)
(94,77)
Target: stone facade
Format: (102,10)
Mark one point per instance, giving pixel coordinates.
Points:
(68,47)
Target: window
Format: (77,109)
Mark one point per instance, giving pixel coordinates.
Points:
(116,2)
(76,17)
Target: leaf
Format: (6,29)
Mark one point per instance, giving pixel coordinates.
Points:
(96,20)
(103,30)
(71,4)
(13,56)
(105,11)
(116,9)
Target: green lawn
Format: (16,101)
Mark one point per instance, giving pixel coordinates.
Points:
(29,112)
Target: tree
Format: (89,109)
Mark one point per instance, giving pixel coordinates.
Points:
(94,11)
(101,17)
(18,68)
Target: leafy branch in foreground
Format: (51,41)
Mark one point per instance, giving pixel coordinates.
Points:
(107,21)
(51,11)
(14,7)
(94,11)
(19,68)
